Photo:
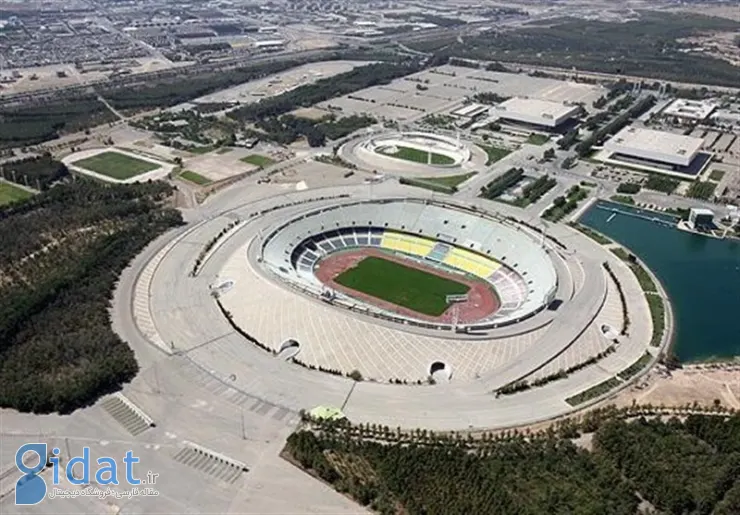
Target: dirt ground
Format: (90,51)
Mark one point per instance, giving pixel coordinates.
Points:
(695,383)
(700,384)
(721,11)
(310,113)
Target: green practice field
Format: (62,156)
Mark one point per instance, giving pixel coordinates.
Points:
(404,286)
(495,153)
(537,139)
(450,181)
(420,156)
(257,160)
(10,193)
(116,165)
(194,178)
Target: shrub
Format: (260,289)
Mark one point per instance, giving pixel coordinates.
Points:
(628,187)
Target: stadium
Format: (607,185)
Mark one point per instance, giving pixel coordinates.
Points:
(409,153)
(395,305)
(411,256)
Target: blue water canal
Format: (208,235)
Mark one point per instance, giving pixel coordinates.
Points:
(700,274)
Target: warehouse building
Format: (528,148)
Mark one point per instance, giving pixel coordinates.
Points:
(656,151)
(689,110)
(538,114)
(470,111)
(468,114)
(269,44)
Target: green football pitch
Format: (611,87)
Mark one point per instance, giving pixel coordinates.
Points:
(10,193)
(116,165)
(404,286)
(257,160)
(421,156)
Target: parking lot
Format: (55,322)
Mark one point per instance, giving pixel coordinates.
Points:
(446,87)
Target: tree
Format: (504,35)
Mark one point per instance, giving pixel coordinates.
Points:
(57,349)
(681,467)
(628,187)
(670,360)
(316,138)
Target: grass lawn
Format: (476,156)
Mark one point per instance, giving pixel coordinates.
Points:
(621,253)
(449,182)
(633,369)
(537,139)
(116,165)
(224,150)
(716,175)
(201,150)
(598,238)
(421,156)
(408,287)
(661,183)
(10,193)
(257,160)
(622,199)
(194,177)
(646,282)
(495,153)
(593,392)
(701,190)
(657,313)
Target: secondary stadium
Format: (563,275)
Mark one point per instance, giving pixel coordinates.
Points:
(412,153)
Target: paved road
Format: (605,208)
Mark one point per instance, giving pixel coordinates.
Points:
(227,395)
(217,348)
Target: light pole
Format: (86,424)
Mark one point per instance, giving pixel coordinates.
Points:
(244,433)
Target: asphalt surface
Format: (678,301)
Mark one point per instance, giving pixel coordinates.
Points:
(185,313)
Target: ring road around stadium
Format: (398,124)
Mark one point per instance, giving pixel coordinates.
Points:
(308,288)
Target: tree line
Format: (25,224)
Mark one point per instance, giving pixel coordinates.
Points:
(178,89)
(689,467)
(501,183)
(61,256)
(35,122)
(638,108)
(354,80)
(38,172)
(288,128)
(650,46)
(32,124)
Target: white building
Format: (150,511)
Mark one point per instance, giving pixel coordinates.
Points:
(728,117)
(664,147)
(700,217)
(269,43)
(689,109)
(656,151)
(534,111)
(470,111)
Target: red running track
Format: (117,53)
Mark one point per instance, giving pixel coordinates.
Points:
(482,301)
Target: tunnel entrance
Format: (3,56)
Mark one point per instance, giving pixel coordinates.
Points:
(288,349)
(440,372)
